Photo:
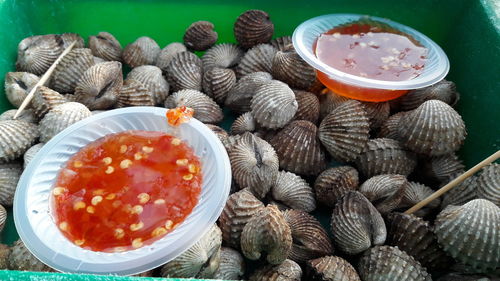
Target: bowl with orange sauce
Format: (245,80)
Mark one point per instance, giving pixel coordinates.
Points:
(369,58)
(121,192)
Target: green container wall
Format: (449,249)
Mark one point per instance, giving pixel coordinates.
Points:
(468,31)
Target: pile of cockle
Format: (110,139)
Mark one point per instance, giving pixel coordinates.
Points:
(390,156)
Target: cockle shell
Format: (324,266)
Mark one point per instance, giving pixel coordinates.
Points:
(35,54)
(299,149)
(444,90)
(134,93)
(232,265)
(30,153)
(244,123)
(61,117)
(3,218)
(44,99)
(280,43)
(267,231)
(167,54)
(328,101)
(259,58)
(185,71)
(217,82)
(18,85)
(230,142)
(443,168)
(219,132)
(239,209)
(71,68)
(151,77)
(15,138)
(345,131)
(310,239)
(294,192)
(308,106)
(9,176)
(142,51)
(104,45)
(4,256)
(390,127)
(385,191)
(68,38)
(286,271)
(386,263)
(377,112)
(416,192)
(20,258)
(224,55)
(488,183)
(100,85)
(356,224)
(26,115)
(333,183)
(240,96)
(98,60)
(444,129)
(253,27)
(471,233)
(461,194)
(200,35)
(456,276)
(385,156)
(331,268)
(274,105)
(205,109)
(290,68)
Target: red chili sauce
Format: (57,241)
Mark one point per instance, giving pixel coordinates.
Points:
(126,190)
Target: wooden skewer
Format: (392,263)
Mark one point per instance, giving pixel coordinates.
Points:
(453,183)
(43,80)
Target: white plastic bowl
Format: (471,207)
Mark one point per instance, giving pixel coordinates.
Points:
(39,232)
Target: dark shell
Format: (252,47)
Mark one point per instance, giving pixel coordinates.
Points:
(21,258)
(232,265)
(240,96)
(68,38)
(9,177)
(331,268)
(200,36)
(253,27)
(217,82)
(105,46)
(377,112)
(44,99)
(286,271)
(71,68)
(223,55)
(151,77)
(308,106)
(4,256)
(185,71)
(443,168)
(385,191)
(456,276)
(35,54)
(281,43)
(328,101)
(488,183)
(444,90)
(416,192)
(134,93)
(290,68)
(219,132)
(18,85)
(15,138)
(462,193)
(259,58)
(390,127)
(205,109)
(293,192)
(244,123)
(334,183)
(167,54)
(142,51)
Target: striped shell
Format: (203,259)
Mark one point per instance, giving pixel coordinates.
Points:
(151,77)
(3,217)
(356,224)
(290,68)
(390,127)
(217,82)
(239,209)
(98,60)
(385,156)
(205,109)
(443,168)
(286,271)
(26,115)
(273,105)
(45,98)
(298,148)
(444,129)
(71,68)
(185,71)
(244,123)
(310,240)
(142,51)
(377,112)
(331,268)
(232,265)
(4,256)
(259,58)
(329,101)
(458,276)
(294,192)
(471,233)
(219,132)
(200,36)
(168,53)
(68,38)
(308,106)
(345,131)
(444,90)
(9,176)
(385,191)
(18,85)
(104,45)
(15,138)
(30,153)
(240,96)
(334,183)
(281,43)
(134,93)
(223,55)
(386,263)
(253,27)
(61,117)
(488,183)
(35,54)
(267,231)
(21,258)
(416,192)
(462,193)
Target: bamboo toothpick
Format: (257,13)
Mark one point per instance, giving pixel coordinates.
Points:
(43,80)
(453,183)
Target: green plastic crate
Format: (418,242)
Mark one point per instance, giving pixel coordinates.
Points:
(468,31)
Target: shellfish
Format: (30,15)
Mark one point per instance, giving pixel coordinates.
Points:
(294,192)
(167,54)
(385,191)
(488,183)
(308,106)
(26,115)
(20,258)
(290,68)
(9,176)
(60,117)
(416,192)
(444,90)
(244,123)
(35,54)
(30,153)
(70,69)
(151,77)
(134,93)
(232,265)
(3,217)
(200,35)
(68,38)
(280,43)
(142,51)
(240,96)
(328,101)
(333,183)
(461,194)
(44,99)
(205,109)
(377,112)
(220,132)
(253,27)
(259,58)
(443,168)
(18,85)
(4,256)
(390,127)
(331,268)
(217,82)
(286,271)
(185,71)
(105,46)
(224,55)
(15,138)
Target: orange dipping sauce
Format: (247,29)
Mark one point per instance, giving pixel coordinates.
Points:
(126,190)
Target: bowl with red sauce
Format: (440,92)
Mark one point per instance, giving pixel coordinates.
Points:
(369,58)
(121,192)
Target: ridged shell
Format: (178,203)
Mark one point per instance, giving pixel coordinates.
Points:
(244,123)
(167,54)
(333,183)
(230,142)
(416,192)
(185,71)
(274,105)
(455,276)
(253,27)
(461,194)
(328,101)
(200,36)
(385,156)
(281,43)
(68,38)
(9,176)
(30,153)
(385,191)
(444,129)
(290,68)
(377,112)
(239,209)
(259,58)
(15,138)
(345,131)
(220,132)
(20,258)
(4,256)
(471,233)
(104,45)
(26,115)
(240,96)
(151,77)
(71,68)
(310,239)
(134,93)
(267,231)
(443,168)
(331,268)
(386,263)
(18,85)
(217,82)
(223,55)
(286,271)
(100,85)
(232,265)
(98,60)
(356,224)
(205,109)
(415,236)
(3,217)
(390,127)
(45,98)
(35,54)
(299,149)
(444,90)
(488,183)
(294,192)
(308,106)
(61,117)
(142,51)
